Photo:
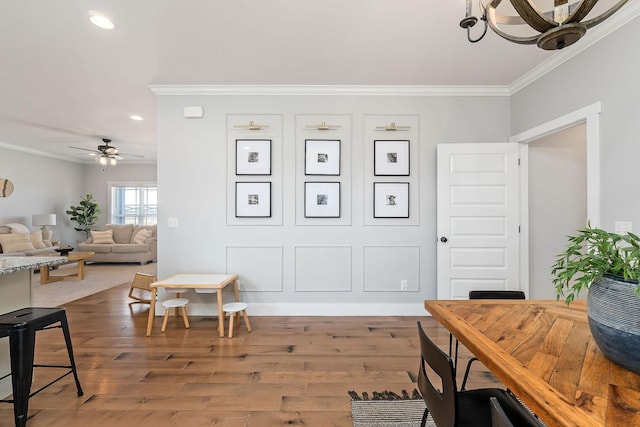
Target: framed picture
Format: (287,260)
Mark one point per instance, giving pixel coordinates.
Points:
(391,158)
(391,200)
(322,157)
(253,199)
(322,200)
(253,157)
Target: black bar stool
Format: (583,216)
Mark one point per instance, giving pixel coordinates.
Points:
(21,327)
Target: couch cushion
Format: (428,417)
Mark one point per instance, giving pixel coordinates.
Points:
(137,228)
(94,247)
(129,248)
(5,229)
(121,233)
(36,239)
(141,236)
(16,242)
(102,237)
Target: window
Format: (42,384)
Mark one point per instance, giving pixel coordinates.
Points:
(134,204)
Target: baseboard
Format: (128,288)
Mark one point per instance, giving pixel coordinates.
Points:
(283,309)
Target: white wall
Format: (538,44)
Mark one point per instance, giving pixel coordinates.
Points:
(309,267)
(557,201)
(42,185)
(607,72)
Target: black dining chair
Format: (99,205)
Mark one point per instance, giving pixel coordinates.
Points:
(484,295)
(451,407)
(499,418)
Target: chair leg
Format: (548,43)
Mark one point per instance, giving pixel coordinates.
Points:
(466,373)
(246,320)
(67,338)
(424,417)
(232,317)
(165,319)
(184,317)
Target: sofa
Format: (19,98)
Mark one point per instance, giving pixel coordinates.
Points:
(17,240)
(123,243)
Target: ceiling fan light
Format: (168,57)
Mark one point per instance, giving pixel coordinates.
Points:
(113,161)
(101,21)
(136,117)
(103,160)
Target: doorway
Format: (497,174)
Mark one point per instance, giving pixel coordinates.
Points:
(557,178)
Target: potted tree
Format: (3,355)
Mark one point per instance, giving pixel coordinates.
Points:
(85,214)
(608,266)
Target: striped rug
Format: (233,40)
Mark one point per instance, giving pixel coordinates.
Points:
(388,409)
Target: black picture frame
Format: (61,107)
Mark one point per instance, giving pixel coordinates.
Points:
(391,200)
(253,157)
(253,199)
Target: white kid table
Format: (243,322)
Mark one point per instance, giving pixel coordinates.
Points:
(195,281)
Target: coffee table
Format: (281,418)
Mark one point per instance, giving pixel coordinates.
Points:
(78,257)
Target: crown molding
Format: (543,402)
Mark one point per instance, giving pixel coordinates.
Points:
(305,90)
(628,12)
(32,151)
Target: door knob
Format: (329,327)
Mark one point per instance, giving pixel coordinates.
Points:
(443,239)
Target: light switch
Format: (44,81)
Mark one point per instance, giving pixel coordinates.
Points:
(173,222)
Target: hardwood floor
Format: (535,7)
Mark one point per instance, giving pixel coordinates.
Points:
(288,371)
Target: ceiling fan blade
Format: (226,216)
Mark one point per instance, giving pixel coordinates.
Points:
(83,149)
(131,155)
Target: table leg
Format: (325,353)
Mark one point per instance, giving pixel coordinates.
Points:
(236,292)
(152,310)
(44,274)
(80,269)
(220,314)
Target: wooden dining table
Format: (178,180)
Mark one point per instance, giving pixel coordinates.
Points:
(195,281)
(543,351)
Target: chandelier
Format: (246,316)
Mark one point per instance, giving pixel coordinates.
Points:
(560,26)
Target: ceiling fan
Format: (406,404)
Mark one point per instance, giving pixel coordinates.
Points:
(107,153)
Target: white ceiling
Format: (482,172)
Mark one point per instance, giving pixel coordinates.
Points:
(65,82)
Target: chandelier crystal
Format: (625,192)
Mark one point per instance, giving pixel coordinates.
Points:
(560,25)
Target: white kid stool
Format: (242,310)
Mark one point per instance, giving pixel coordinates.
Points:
(176,303)
(234,309)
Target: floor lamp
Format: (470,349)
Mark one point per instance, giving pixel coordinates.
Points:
(44,220)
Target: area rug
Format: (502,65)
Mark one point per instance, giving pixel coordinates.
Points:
(388,409)
(98,277)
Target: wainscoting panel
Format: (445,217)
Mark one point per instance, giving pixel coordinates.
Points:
(386,267)
(323,268)
(259,267)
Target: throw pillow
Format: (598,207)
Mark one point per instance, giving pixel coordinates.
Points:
(121,233)
(16,242)
(36,239)
(103,237)
(141,236)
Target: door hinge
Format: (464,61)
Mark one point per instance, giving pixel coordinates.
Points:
(518,229)
(518,162)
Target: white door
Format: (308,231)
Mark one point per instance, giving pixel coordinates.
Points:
(478,218)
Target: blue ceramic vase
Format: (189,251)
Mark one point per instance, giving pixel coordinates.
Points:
(613,310)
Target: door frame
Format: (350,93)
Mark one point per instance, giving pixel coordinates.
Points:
(590,115)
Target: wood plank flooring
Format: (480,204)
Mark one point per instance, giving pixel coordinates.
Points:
(288,371)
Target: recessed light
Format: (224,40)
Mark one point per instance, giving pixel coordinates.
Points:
(136,117)
(101,21)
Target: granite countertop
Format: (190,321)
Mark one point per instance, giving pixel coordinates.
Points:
(11,264)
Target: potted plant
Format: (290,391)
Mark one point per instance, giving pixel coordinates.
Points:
(608,266)
(85,214)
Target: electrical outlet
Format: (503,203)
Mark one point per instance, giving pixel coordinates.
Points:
(404,285)
(173,223)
